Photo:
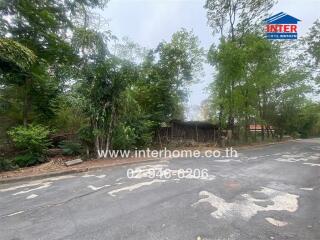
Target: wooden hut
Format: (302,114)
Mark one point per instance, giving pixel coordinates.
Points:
(197,131)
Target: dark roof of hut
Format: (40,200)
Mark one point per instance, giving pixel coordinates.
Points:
(201,124)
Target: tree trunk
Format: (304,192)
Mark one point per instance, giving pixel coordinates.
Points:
(262,132)
(159,136)
(197,134)
(110,129)
(246,130)
(26,102)
(95,128)
(255,131)
(246,116)
(220,121)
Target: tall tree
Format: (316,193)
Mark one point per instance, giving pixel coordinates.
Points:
(44,27)
(252,67)
(312,41)
(169,70)
(234,19)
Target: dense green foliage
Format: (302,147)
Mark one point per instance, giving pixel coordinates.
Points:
(14,56)
(127,101)
(254,84)
(71,147)
(57,70)
(32,140)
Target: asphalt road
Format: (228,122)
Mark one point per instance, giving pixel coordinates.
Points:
(270,192)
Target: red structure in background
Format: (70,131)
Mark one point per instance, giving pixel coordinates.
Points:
(258,128)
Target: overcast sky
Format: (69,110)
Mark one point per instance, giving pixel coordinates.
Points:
(148,22)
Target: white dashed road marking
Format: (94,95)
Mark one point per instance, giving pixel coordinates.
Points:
(313,164)
(135,186)
(276,222)
(306,189)
(97,188)
(32,196)
(16,213)
(44,185)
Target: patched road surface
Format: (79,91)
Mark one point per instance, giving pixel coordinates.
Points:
(270,192)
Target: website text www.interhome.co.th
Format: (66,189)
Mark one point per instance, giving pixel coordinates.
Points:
(168,153)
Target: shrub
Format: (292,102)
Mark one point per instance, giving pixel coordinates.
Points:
(86,136)
(6,164)
(124,137)
(27,159)
(33,141)
(71,147)
(133,135)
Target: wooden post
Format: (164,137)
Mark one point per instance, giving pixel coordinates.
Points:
(172,130)
(197,136)
(159,139)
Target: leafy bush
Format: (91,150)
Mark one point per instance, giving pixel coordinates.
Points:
(298,135)
(33,141)
(86,136)
(71,147)
(27,159)
(133,135)
(6,164)
(124,137)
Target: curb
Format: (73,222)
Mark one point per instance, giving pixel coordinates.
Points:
(40,176)
(67,172)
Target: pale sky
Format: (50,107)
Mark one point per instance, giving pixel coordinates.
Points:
(148,22)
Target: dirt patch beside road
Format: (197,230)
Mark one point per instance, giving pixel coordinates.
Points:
(56,165)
